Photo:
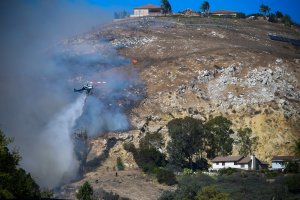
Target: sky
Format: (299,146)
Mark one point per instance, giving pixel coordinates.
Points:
(290,7)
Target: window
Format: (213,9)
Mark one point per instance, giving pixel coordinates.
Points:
(242,166)
(223,163)
(217,163)
(234,163)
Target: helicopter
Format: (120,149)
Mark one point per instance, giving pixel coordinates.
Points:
(88,87)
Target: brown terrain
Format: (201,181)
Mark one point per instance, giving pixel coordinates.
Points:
(202,68)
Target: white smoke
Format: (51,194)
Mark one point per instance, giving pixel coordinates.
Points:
(57,147)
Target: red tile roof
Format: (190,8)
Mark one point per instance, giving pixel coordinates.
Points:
(227,159)
(148,6)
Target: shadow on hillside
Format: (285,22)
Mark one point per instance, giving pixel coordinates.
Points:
(97,161)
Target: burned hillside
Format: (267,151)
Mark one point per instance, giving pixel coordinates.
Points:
(202,68)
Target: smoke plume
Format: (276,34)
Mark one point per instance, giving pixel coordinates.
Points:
(43,57)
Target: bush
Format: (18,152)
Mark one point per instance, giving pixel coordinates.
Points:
(271,174)
(272,18)
(286,20)
(210,193)
(85,192)
(292,167)
(241,15)
(187,171)
(128,146)
(166,176)
(227,171)
(293,183)
(167,195)
(120,165)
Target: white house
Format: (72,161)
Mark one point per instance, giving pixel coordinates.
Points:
(146,10)
(224,13)
(238,162)
(278,162)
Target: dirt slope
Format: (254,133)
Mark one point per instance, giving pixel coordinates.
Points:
(203,68)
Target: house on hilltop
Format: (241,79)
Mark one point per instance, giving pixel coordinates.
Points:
(279,162)
(146,10)
(238,162)
(224,13)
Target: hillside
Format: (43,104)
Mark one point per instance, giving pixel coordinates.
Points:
(201,68)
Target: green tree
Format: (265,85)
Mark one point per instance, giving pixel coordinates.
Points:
(219,140)
(286,19)
(85,192)
(14,181)
(278,14)
(166,7)
(148,156)
(205,7)
(187,139)
(210,193)
(264,9)
(120,164)
(246,143)
(296,147)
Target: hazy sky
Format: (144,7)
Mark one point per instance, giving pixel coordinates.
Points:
(290,7)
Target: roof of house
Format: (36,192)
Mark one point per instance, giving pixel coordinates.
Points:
(285,158)
(148,6)
(224,12)
(245,160)
(227,159)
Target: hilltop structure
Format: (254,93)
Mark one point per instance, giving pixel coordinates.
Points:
(223,13)
(146,10)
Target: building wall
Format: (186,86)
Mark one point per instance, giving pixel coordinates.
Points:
(141,12)
(224,15)
(220,165)
(277,165)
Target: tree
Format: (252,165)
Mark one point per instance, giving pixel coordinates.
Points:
(205,7)
(296,147)
(187,139)
(218,135)
(264,9)
(85,192)
(166,7)
(286,19)
(147,156)
(278,14)
(246,143)
(14,181)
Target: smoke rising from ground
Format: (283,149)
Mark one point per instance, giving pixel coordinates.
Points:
(38,73)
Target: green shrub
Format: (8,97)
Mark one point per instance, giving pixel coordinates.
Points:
(187,171)
(210,193)
(128,146)
(227,171)
(292,167)
(85,192)
(167,195)
(271,174)
(120,165)
(241,15)
(166,176)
